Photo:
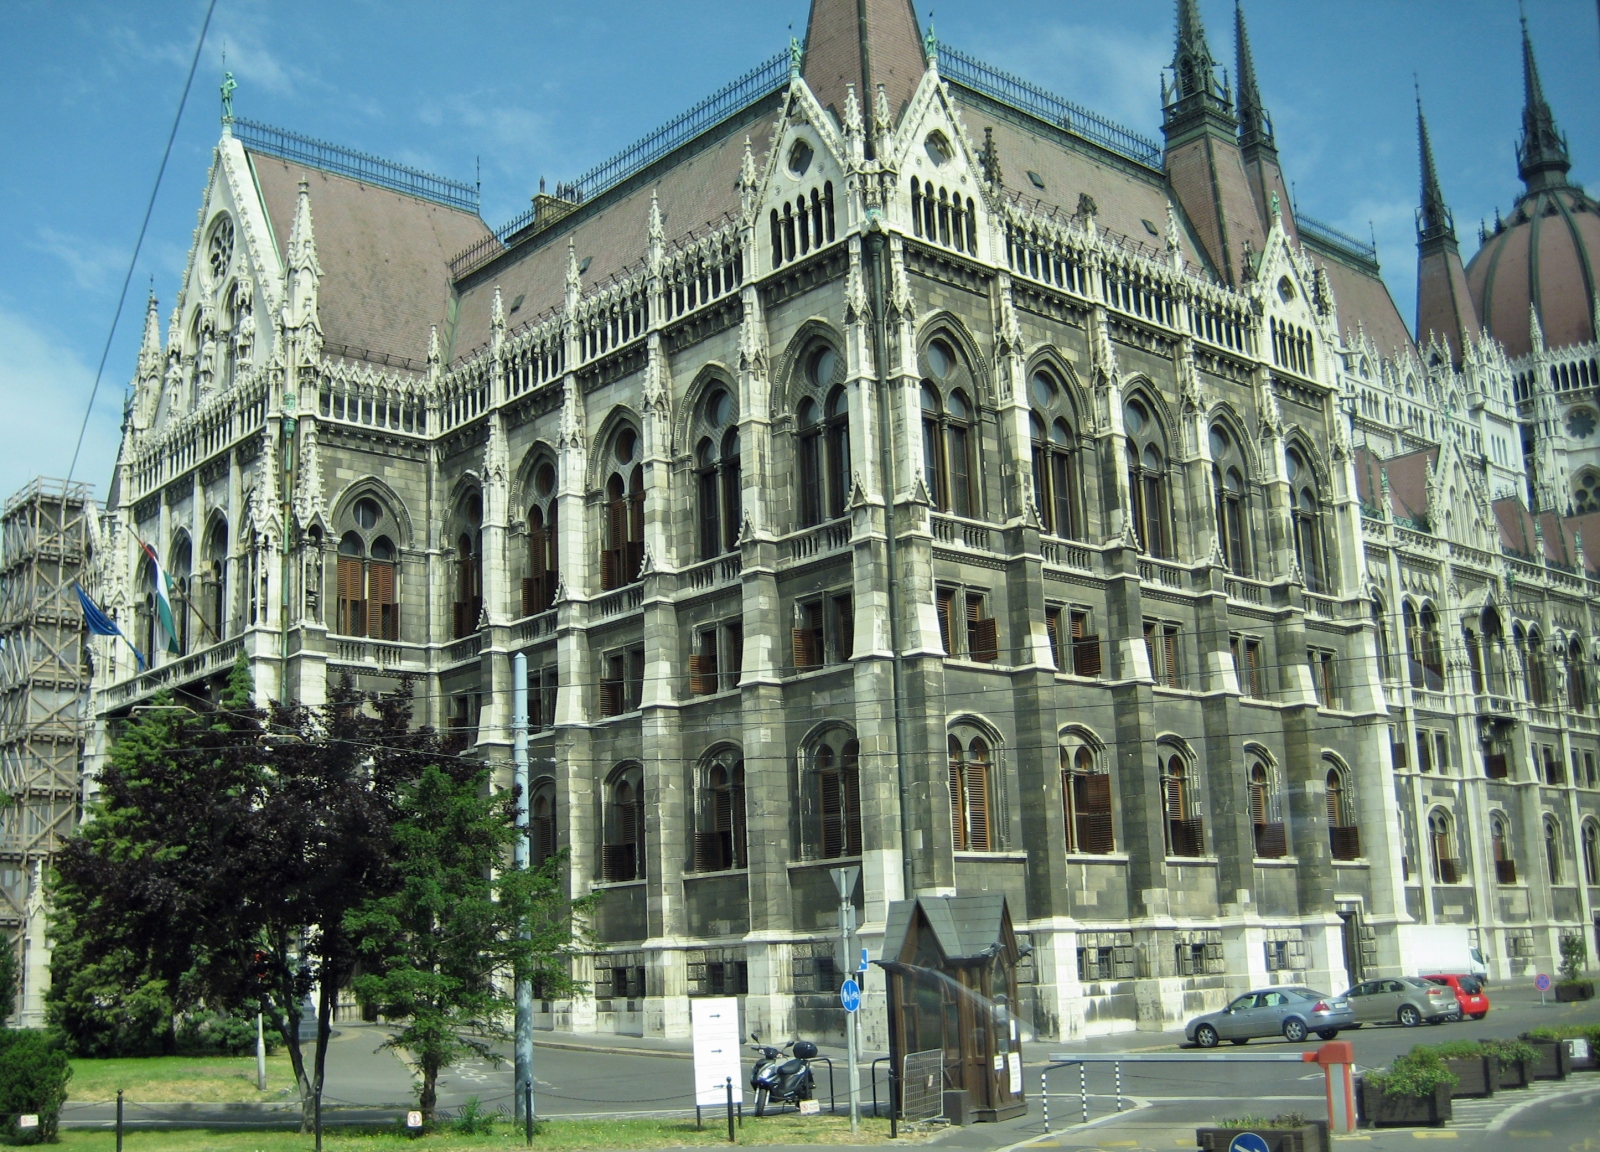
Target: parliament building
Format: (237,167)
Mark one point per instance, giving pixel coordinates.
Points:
(889,463)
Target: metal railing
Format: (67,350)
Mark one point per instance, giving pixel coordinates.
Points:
(957,67)
(1331,237)
(761,81)
(358,165)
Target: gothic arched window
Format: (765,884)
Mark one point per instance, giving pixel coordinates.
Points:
(623,548)
(1307,517)
(971,794)
(1591,852)
(1233,511)
(1442,856)
(949,432)
(1577,678)
(214,574)
(823,426)
(544,567)
(542,821)
(1086,795)
(622,856)
(179,564)
(1266,823)
(719,818)
(467,609)
(718,478)
(1147,478)
(1505,866)
(1494,652)
(1185,829)
(832,787)
(1552,848)
(1343,835)
(1432,652)
(1057,483)
(1537,674)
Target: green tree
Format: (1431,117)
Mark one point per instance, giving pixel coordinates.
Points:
(228,847)
(441,948)
(9,979)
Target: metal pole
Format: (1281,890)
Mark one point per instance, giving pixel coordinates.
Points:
(523,1070)
(318,1106)
(527,1113)
(847,921)
(119,1120)
(1118,1068)
(731,1137)
(1044,1096)
(1083,1089)
(261,1055)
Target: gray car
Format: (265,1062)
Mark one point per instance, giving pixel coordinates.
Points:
(1287,1012)
(1402,999)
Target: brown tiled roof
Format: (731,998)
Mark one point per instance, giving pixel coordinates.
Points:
(695,194)
(1549,254)
(1408,481)
(1210,182)
(836,35)
(1124,195)
(1363,299)
(1444,305)
(384,256)
(1516,525)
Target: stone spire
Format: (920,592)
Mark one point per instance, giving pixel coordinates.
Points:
(1196,87)
(1542,160)
(1433,216)
(1255,125)
(150,359)
(304,271)
(866,43)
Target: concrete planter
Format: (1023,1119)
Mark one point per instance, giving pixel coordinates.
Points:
(1569,991)
(1514,1075)
(1382,1110)
(1552,1063)
(1475,1075)
(1309,1137)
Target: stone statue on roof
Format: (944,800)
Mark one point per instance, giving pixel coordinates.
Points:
(228,88)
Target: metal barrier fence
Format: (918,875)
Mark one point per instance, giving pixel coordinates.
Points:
(922,1086)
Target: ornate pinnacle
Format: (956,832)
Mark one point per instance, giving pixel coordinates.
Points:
(497,311)
(880,112)
(655,230)
(852,112)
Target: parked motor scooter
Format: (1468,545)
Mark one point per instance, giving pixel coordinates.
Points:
(787,1081)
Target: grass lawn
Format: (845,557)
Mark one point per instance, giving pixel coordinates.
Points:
(555,1135)
(165,1079)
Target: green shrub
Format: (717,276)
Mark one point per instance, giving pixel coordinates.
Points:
(472,1120)
(1417,1074)
(1510,1051)
(1458,1050)
(33,1078)
(1589,1032)
(205,1034)
(1574,955)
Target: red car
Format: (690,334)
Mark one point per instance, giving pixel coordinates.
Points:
(1469,992)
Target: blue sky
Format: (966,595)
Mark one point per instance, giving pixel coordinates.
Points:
(87,92)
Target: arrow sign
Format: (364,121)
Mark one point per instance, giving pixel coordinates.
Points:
(850,996)
(1248,1142)
(863,967)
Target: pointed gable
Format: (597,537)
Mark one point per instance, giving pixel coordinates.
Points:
(384,258)
(865,43)
(1408,482)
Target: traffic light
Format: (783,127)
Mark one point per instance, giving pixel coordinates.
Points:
(260,968)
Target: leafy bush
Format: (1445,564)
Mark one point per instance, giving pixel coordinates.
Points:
(1574,955)
(33,1078)
(205,1034)
(1459,1050)
(1511,1051)
(1417,1074)
(1589,1032)
(473,1120)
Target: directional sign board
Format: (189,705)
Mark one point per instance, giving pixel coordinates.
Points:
(715,1023)
(863,966)
(1542,982)
(850,995)
(1248,1142)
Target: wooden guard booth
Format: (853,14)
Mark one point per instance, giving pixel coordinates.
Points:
(952,984)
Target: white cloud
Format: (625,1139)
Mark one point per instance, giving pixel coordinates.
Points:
(43,390)
(94,265)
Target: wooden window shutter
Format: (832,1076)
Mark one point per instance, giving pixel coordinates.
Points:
(977,782)
(707,852)
(847,627)
(702,674)
(740,843)
(350,597)
(850,786)
(804,657)
(958,822)
(1092,799)
(1086,656)
(1052,627)
(381,622)
(985,640)
(831,805)
(1150,650)
(945,596)
(1169,654)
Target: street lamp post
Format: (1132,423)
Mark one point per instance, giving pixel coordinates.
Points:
(845,880)
(522,1095)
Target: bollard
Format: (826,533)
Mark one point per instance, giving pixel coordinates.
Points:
(731,1137)
(1083,1091)
(319,1116)
(119,1120)
(527,1111)
(1117,1067)
(1337,1058)
(1044,1097)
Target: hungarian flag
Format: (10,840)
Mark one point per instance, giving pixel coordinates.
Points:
(163,590)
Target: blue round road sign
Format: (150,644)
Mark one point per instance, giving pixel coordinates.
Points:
(1542,982)
(850,995)
(1248,1142)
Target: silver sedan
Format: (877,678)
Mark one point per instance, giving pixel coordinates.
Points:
(1288,1012)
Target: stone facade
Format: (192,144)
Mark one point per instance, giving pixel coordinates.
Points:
(905,487)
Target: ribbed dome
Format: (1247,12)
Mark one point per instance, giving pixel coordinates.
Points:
(1546,255)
